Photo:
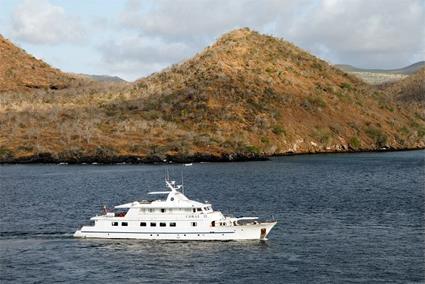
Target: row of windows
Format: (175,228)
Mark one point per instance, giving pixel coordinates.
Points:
(163,210)
(153,224)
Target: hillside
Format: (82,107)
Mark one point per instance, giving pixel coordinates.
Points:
(20,71)
(410,91)
(246,96)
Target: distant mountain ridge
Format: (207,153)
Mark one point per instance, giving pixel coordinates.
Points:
(102,78)
(408,70)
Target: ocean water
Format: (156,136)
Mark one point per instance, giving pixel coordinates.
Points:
(341,218)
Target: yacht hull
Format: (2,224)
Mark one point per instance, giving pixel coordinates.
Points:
(257,231)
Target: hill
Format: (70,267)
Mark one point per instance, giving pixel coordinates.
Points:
(20,71)
(410,91)
(246,96)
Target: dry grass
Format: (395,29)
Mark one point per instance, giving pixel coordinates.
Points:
(248,94)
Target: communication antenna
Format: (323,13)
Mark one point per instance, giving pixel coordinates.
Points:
(181,172)
(167,174)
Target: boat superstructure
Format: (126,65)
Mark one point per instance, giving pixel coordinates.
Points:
(174,218)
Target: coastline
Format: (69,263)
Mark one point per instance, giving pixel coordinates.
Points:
(47,158)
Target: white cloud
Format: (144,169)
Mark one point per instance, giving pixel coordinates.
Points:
(134,56)
(40,22)
(188,19)
(379,33)
(166,32)
(146,36)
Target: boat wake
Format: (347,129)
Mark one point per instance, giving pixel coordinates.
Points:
(34,235)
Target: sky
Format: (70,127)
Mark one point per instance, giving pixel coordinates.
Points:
(134,38)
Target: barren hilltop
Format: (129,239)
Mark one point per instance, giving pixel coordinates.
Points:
(247,96)
(20,71)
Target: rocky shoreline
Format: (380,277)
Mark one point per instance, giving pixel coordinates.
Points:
(47,158)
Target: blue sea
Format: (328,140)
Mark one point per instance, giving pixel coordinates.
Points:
(342,218)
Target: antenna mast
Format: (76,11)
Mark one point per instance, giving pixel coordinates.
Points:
(181,172)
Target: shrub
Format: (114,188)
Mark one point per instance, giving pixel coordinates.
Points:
(265,140)
(278,130)
(104,151)
(316,101)
(346,86)
(355,143)
(377,136)
(5,153)
(249,149)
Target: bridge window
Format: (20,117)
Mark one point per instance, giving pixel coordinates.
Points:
(114,223)
(194,210)
(162,210)
(124,224)
(198,209)
(172,224)
(153,224)
(194,224)
(142,224)
(162,224)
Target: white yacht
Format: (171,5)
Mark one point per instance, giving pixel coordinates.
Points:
(175,218)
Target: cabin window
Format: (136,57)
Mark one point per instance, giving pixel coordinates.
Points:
(172,224)
(162,210)
(213,224)
(151,210)
(198,209)
(162,224)
(124,224)
(153,224)
(194,224)
(194,210)
(172,198)
(142,224)
(114,223)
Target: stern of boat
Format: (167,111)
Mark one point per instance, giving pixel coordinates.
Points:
(78,234)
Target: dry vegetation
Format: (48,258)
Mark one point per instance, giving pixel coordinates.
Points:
(21,72)
(410,91)
(246,96)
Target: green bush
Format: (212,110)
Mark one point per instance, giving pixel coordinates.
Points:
(5,153)
(355,143)
(278,130)
(346,86)
(377,135)
(317,101)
